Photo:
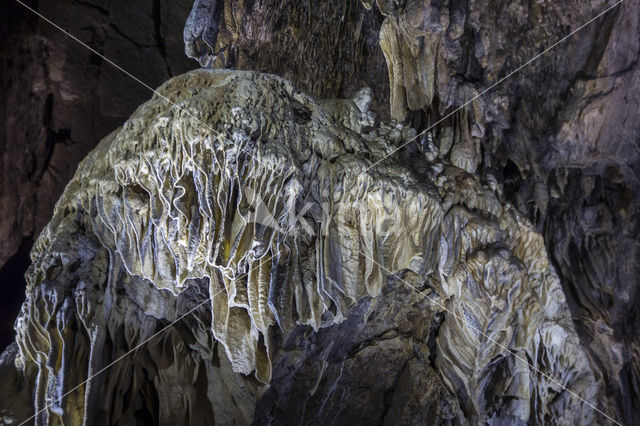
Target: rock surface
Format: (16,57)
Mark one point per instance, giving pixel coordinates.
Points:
(59,99)
(559,137)
(329,49)
(558,141)
(238,190)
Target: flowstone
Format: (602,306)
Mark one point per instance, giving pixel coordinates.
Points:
(335,283)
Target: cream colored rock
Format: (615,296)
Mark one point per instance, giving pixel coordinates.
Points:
(420,45)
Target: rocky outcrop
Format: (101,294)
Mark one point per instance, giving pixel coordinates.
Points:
(314,261)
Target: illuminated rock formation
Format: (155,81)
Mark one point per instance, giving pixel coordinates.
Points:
(557,140)
(333,281)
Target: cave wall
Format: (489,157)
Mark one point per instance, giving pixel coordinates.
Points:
(560,137)
(328,48)
(167,213)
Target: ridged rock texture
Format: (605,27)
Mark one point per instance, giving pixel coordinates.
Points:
(467,278)
(176,208)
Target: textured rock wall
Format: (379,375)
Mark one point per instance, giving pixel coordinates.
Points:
(329,49)
(168,212)
(559,137)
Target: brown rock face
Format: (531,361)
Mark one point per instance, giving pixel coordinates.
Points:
(329,49)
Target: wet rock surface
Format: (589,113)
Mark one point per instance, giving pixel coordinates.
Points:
(559,138)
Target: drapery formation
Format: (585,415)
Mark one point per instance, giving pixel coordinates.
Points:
(237,189)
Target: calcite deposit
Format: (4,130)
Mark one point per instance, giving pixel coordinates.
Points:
(448,243)
(272,209)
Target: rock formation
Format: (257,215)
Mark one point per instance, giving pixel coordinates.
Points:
(237,189)
(373,259)
(559,137)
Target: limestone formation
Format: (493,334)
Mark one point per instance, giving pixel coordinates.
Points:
(311,279)
(560,135)
(273,208)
